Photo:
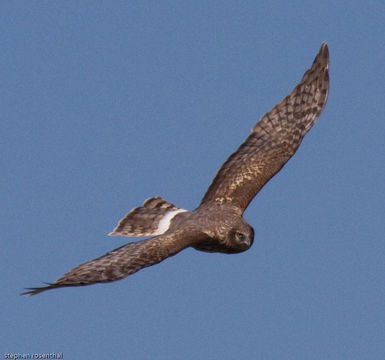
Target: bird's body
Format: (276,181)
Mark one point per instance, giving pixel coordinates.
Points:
(216,225)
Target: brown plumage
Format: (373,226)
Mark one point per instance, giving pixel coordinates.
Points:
(273,140)
(126,260)
(217,224)
(144,220)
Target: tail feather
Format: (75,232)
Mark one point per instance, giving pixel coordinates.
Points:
(152,218)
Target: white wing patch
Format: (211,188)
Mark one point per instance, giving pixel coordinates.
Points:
(165,221)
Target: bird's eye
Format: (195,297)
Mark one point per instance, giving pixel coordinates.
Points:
(240,237)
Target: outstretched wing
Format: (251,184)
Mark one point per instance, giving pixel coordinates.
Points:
(274,139)
(126,260)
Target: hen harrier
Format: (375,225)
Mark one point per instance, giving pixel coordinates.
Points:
(217,224)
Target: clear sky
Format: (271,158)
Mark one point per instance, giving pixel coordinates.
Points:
(107,103)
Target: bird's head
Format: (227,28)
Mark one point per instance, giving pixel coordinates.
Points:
(241,236)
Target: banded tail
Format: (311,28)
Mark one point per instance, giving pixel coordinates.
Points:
(152,218)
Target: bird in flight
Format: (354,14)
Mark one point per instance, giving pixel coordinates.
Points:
(216,225)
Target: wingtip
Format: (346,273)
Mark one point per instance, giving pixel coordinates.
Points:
(324,51)
(37,290)
(26,293)
(32,291)
(321,61)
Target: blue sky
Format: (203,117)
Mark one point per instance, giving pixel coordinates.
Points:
(107,103)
